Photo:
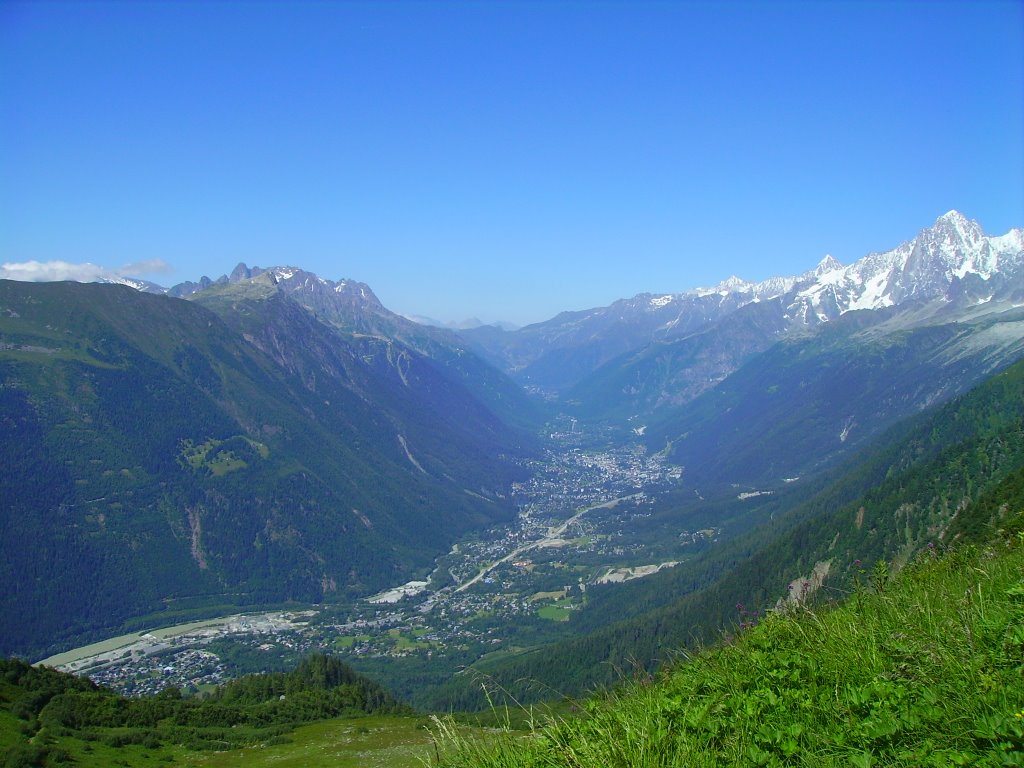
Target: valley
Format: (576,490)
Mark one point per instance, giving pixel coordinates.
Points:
(278,476)
(499,384)
(580,521)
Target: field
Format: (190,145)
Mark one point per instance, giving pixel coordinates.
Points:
(368,742)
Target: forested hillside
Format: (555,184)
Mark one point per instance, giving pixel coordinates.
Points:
(158,460)
(896,497)
(808,400)
(47,717)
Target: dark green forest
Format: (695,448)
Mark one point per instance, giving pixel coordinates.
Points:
(264,708)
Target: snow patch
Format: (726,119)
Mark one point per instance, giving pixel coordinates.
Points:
(661,301)
(409,456)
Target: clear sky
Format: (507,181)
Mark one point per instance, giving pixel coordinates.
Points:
(499,159)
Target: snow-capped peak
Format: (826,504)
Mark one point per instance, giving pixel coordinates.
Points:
(733,283)
(660,301)
(953,226)
(827,264)
(954,217)
(923,268)
(283,273)
(931,265)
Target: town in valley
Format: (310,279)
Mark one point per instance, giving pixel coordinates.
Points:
(492,592)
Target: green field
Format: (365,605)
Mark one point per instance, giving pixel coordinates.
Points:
(558,611)
(368,742)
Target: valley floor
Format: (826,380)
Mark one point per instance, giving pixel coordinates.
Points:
(495,592)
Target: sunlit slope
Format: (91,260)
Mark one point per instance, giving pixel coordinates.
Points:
(922,669)
(895,497)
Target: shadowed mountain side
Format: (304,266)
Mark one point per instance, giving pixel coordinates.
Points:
(807,400)
(643,383)
(353,310)
(159,459)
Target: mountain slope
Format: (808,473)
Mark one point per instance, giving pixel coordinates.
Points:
(952,260)
(922,669)
(351,308)
(807,400)
(433,414)
(664,374)
(887,502)
(159,458)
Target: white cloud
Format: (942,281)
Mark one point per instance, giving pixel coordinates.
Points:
(46,271)
(85,272)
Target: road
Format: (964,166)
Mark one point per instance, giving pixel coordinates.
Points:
(552,535)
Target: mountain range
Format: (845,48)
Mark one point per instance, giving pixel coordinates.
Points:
(952,261)
(274,436)
(757,382)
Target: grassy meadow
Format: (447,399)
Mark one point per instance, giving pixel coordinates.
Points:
(922,669)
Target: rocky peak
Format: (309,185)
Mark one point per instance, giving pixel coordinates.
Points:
(243,272)
(952,229)
(827,264)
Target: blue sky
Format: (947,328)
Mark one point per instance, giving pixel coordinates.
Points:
(502,160)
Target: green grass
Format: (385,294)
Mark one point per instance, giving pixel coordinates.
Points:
(558,611)
(219,463)
(9,731)
(926,669)
(403,643)
(553,613)
(48,749)
(368,742)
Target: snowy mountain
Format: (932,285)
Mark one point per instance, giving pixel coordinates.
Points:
(950,253)
(144,286)
(953,260)
(954,252)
